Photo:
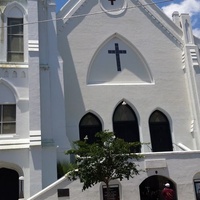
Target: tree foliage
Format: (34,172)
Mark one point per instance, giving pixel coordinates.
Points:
(106,159)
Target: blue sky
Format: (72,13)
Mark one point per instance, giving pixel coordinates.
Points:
(182,6)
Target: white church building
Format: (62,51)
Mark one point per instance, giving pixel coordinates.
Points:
(117,65)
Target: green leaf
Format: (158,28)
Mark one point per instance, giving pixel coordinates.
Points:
(107,159)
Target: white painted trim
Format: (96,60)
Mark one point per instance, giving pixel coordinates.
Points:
(68,8)
(35,138)
(115,11)
(6,13)
(33,45)
(183,147)
(14,147)
(13,65)
(11,87)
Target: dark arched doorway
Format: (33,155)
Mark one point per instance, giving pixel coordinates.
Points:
(125,124)
(89,126)
(160,132)
(9,184)
(151,188)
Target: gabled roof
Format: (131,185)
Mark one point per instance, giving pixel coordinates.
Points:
(72,7)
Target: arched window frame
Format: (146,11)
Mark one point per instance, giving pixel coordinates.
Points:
(168,120)
(9,13)
(136,126)
(90,138)
(9,101)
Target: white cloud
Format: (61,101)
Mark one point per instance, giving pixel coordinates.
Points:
(186,6)
(196,32)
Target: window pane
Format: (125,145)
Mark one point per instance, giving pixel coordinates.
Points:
(124,113)
(15,26)
(90,119)
(157,116)
(15,43)
(0,113)
(8,128)
(9,113)
(15,57)
(15,40)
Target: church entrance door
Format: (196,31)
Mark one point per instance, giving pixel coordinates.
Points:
(9,184)
(151,188)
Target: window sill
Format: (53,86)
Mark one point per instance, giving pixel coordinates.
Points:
(13,65)
(9,136)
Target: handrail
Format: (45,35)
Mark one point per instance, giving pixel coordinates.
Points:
(183,147)
(50,186)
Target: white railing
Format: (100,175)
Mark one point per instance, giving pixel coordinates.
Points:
(50,187)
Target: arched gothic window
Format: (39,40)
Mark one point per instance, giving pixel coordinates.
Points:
(89,126)
(125,124)
(7,109)
(16,33)
(15,40)
(160,132)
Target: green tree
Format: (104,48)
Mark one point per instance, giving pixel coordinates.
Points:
(108,158)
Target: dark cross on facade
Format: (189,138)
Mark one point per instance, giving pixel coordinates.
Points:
(112,1)
(117,52)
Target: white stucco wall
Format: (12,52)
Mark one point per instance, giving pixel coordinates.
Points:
(163,55)
(187,165)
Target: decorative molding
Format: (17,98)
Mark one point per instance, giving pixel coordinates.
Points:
(192,126)
(183,61)
(11,87)
(35,138)
(110,8)
(13,65)
(12,73)
(23,100)
(13,143)
(183,57)
(16,146)
(194,57)
(33,45)
(174,37)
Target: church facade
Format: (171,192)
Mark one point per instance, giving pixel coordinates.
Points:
(117,65)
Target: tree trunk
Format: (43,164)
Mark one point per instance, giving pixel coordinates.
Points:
(108,191)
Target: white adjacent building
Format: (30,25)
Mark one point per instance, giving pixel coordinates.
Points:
(118,65)
(31,100)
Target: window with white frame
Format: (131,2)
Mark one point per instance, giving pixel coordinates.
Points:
(15,40)
(15,34)
(8,119)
